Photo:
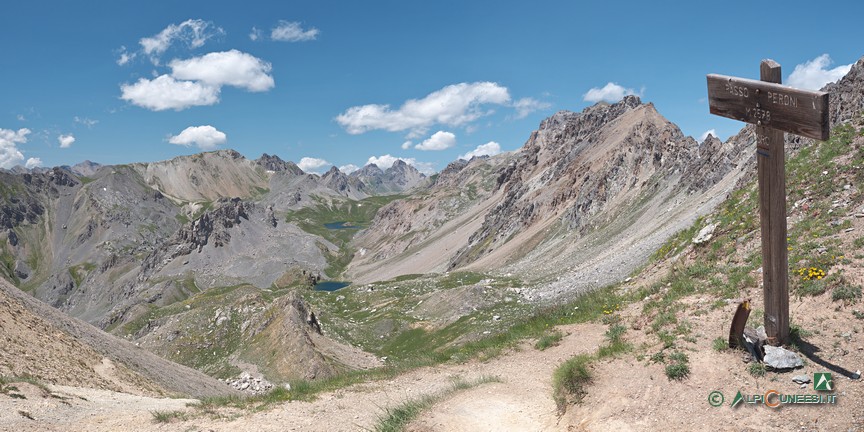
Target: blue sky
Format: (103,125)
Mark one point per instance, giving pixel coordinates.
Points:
(349,82)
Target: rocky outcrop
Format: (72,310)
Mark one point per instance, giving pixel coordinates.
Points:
(23,196)
(451,170)
(214,225)
(847,95)
(294,328)
(270,217)
(18,210)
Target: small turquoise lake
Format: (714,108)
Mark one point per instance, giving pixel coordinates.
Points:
(341,225)
(331,286)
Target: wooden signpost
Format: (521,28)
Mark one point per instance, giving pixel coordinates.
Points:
(774,109)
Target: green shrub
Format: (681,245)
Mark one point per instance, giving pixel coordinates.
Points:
(720,344)
(678,367)
(569,381)
(757,369)
(846,292)
(677,371)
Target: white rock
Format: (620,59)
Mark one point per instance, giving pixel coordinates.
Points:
(705,234)
(779,358)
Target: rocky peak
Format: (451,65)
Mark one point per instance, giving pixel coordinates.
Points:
(275,163)
(399,165)
(711,145)
(580,166)
(340,182)
(403,176)
(398,178)
(229,153)
(86,168)
(847,95)
(370,170)
(333,172)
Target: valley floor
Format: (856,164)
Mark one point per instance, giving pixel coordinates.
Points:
(627,392)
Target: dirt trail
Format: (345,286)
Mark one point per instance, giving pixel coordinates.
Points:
(630,392)
(80,409)
(522,399)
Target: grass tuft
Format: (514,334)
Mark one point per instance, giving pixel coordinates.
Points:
(168,416)
(549,339)
(757,369)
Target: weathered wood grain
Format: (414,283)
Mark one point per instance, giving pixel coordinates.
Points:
(771,168)
(770,104)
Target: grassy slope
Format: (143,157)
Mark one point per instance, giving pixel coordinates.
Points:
(202,343)
(356,214)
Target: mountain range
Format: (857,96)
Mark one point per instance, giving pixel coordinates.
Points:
(208,259)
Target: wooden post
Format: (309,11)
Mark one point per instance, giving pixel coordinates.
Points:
(771,162)
(774,109)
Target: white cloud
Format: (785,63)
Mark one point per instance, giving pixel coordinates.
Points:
(198,81)
(706,133)
(427,168)
(194,33)
(491,148)
(125,56)
(611,93)
(309,164)
(406,145)
(348,169)
(33,163)
(9,153)
(165,92)
(293,32)
(438,141)
(528,105)
(205,137)
(232,68)
(66,140)
(387,161)
(254,34)
(814,74)
(453,105)
(21,117)
(85,121)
